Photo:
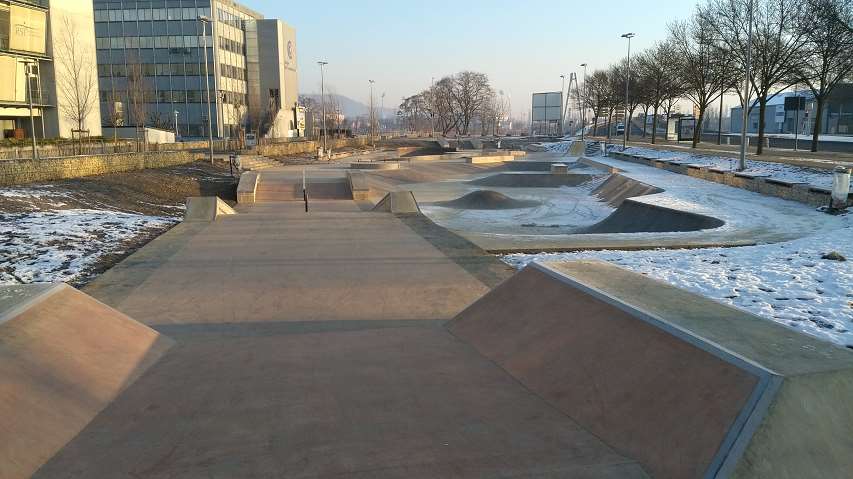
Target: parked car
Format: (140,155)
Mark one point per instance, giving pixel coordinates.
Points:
(620,129)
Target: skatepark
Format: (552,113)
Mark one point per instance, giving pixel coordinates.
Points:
(352,320)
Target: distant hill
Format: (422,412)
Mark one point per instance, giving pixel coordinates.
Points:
(352,108)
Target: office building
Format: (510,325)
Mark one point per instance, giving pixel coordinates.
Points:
(47,52)
(151,67)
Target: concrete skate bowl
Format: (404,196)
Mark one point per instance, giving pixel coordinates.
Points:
(531,180)
(487,200)
(684,385)
(63,358)
(639,217)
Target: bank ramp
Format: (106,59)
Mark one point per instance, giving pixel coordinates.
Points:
(688,387)
(63,358)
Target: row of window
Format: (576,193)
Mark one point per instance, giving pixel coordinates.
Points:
(167,69)
(174,96)
(170,41)
(144,14)
(230,19)
(230,45)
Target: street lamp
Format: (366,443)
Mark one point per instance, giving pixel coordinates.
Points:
(28,63)
(323,102)
(177,133)
(583,102)
(742,160)
(204,22)
(371,118)
(562,111)
(629,36)
(381,112)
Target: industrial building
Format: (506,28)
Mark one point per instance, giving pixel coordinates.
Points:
(795,111)
(151,68)
(47,69)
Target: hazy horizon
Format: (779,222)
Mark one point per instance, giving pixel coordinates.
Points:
(521,48)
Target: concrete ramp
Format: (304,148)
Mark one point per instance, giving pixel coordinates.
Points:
(618,188)
(398,202)
(207,208)
(63,358)
(686,386)
(639,217)
(531,180)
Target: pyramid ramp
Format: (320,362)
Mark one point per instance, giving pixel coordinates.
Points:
(398,202)
(207,208)
(63,358)
(687,386)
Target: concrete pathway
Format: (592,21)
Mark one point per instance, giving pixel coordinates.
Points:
(313,346)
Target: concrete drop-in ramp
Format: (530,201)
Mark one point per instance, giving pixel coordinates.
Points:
(687,386)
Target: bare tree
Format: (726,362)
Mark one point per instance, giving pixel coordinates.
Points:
(829,52)
(136,87)
(658,67)
(470,91)
(77,81)
(706,73)
(597,96)
(777,46)
(447,113)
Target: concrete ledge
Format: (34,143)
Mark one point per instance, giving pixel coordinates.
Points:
(375,165)
(207,208)
(247,188)
(685,385)
(559,169)
(489,159)
(358,185)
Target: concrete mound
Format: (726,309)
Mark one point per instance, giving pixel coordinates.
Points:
(207,208)
(398,202)
(638,217)
(686,386)
(487,200)
(532,180)
(618,188)
(63,358)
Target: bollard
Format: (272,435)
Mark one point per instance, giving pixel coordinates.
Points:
(603,149)
(840,188)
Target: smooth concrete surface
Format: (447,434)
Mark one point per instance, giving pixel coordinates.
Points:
(206,208)
(247,187)
(63,358)
(490,159)
(803,427)
(398,202)
(648,393)
(287,185)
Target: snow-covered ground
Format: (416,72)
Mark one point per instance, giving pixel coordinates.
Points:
(812,176)
(64,244)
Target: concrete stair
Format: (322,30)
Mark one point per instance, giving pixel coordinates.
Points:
(257,162)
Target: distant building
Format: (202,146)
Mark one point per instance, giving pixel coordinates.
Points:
(38,32)
(158,44)
(795,111)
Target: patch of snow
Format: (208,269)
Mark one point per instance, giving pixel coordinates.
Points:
(61,245)
(785,282)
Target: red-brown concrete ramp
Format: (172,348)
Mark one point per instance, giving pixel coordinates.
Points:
(63,357)
(685,385)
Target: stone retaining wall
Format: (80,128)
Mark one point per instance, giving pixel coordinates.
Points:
(300,147)
(22,171)
(788,190)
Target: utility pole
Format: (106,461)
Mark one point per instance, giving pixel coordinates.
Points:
(583,102)
(797,117)
(381,112)
(323,102)
(629,36)
(562,110)
(204,22)
(28,63)
(748,80)
(432,108)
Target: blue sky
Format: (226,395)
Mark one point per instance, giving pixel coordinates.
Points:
(523,48)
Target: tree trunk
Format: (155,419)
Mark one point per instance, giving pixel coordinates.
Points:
(697,130)
(645,121)
(720,123)
(595,125)
(762,109)
(628,125)
(609,116)
(819,100)
(655,125)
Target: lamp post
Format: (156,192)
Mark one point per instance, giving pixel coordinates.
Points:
(204,22)
(742,160)
(323,102)
(28,63)
(629,36)
(371,117)
(177,133)
(562,110)
(583,102)
(381,112)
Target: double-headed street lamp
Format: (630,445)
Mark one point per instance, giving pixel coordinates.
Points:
(204,22)
(28,69)
(748,77)
(629,36)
